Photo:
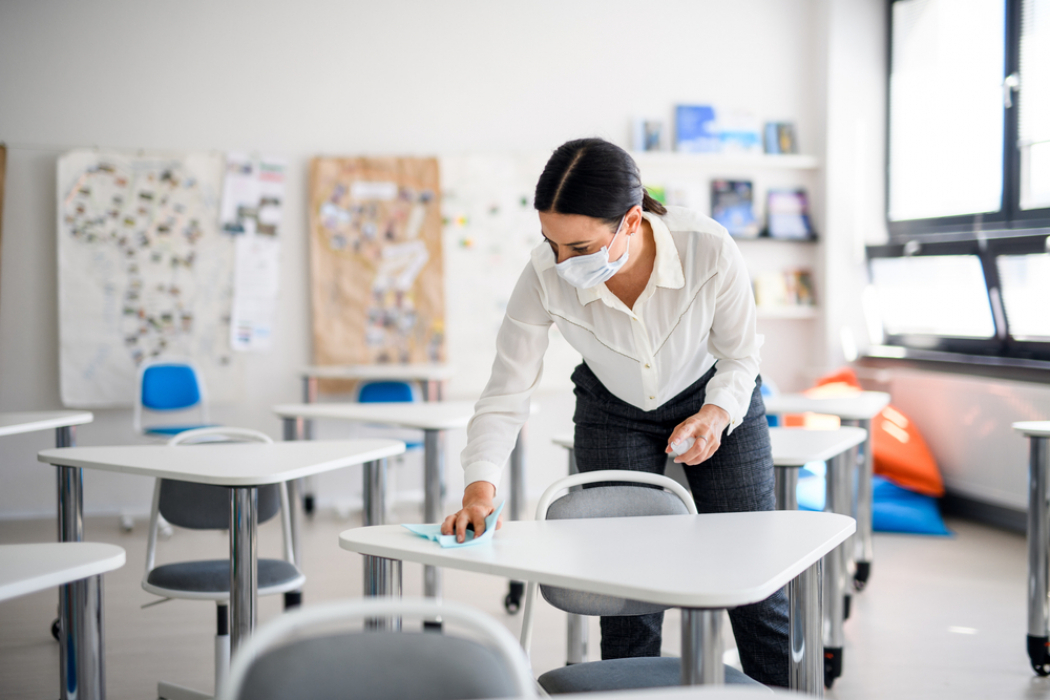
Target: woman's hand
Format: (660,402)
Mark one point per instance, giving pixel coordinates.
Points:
(706,427)
(477,505)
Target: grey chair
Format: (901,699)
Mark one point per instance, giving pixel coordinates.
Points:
(636,498)
(206,507)
(315,654)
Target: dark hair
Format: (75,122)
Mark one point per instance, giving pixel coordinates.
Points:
(595,178)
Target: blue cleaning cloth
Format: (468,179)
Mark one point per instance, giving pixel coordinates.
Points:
(433,532)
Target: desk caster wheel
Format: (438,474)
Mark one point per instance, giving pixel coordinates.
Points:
(1039,655)
(56,630)
(832,665)
(860,579)
(846,600)
(513,600)
(308,504)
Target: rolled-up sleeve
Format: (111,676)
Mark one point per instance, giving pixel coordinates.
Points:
(504,405)
(733,342)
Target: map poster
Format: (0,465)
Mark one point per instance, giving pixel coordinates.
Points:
(144,271)
(376,261)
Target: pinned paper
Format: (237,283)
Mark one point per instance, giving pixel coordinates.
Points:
(433,531)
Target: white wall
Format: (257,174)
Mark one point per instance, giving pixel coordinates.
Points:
(306,78)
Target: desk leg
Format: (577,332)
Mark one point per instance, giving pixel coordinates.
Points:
(433,477)
(1038,565)
(307,433)
(244,564)
(805,603)
(291,433)
(383,578)
(81,649)
(577,631)
(837,496)
(374,476)
(702,647)
(864,546)
(786,487)
(512,601)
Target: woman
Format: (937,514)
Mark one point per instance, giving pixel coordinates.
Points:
(658,302)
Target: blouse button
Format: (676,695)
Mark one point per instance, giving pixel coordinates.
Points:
(647,366)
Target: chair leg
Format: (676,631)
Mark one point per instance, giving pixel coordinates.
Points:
(222,646)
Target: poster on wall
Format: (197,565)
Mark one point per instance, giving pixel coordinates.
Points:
(491,227)
(376,261)
(252,202)
(144,271)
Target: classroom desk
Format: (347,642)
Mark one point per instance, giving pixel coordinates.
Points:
(694,692)
(792,448)
(27,568)
(433,418)
(853,410)
(430,376)
(1038,434)
(733,559)
(240,466)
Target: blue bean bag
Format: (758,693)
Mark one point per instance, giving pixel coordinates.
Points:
(894,509)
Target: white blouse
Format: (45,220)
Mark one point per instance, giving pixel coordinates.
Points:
(697,309)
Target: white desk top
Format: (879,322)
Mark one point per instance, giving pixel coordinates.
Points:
(860,406)
(226,464)
(566,440)
(31,421)
(792,447)
(27,568)
(424,372)
(795,447)
(715,560)
(423,415)
(689,692)
(1033,428)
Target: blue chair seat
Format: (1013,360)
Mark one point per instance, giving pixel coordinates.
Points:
(625,674)
(170,430)
(213,575)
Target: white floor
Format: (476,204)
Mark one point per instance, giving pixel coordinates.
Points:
(942,618)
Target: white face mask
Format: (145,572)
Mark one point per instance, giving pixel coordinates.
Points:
(586,271)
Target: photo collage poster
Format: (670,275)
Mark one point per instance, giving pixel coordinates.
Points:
(376,261)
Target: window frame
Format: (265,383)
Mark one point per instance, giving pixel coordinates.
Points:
(1010,219)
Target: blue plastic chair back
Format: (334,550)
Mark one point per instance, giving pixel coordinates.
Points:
(384,392)
(170,388)
(773,421)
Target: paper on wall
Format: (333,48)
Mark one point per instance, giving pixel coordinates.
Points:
(253,196)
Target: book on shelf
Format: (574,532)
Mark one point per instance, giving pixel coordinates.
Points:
(780,138)
(732,206)
(787,211)
(648,134)
(695,129)
(791,289)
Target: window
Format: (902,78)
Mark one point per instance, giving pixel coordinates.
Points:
(969,116)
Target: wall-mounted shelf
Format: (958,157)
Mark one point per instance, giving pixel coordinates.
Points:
(767,239)
(726,161)
(787,312)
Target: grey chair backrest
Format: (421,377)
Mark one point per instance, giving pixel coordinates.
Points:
(308,653)
(207,507)
(379,666)
(608,502)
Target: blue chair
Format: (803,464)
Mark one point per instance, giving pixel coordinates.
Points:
(390,392)
(166,386)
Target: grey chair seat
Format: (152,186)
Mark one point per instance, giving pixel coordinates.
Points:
(213,575)
(371,666)
(625,674)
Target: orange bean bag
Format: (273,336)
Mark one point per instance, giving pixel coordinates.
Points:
(901,455)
